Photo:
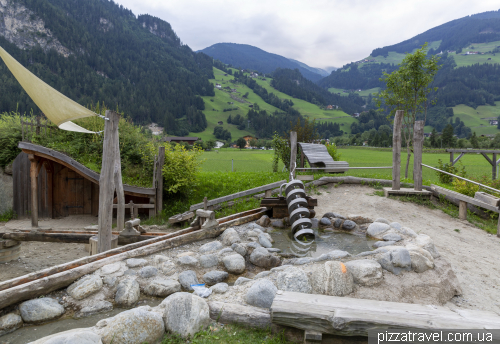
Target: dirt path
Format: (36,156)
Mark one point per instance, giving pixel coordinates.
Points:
(473,253)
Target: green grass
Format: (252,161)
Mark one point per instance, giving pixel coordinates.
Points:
(477,119)
(363,93)
(7,216)
(472,59)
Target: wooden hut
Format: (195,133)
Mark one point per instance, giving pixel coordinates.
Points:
(65,187)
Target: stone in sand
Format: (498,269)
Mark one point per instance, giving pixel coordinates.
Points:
(332,278)
(220,288)
(264,221)
(76,336)
(377,230)
(127,292)
(264,241)
(187,261)
(240,249)
(39,310)
(211,246)
(214,277)
(349,225)
(230,236)
(234,263)
(365,272)
(242,280)
(95,308)
(293,279)
(148,271)
(261,293)
(135,262)
(9,323)
(261,257)
(185,314)
(85,287)
(187,278)
(208,260)
(162,287)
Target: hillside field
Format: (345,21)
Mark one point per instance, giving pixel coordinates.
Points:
(363,93)
(477,119)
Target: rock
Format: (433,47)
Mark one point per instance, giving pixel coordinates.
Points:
(168,267)
(273,250)
(349,225)
(110,268)
(135,262)
(252,234)
(148,271)
(220,288)
(365,272)
(325,222)
(425,242)
(234,263)
(396,260)
(412,247)
(211,246)
(331,215)
(315,223)
(328,230)
(337,223)
(395,225)
(382,220)
(127,292)
(39,310)
(85,287)
(186,278)
(377,230)
(225,251)
(230,236)
(208,260)
(278,223)
(293,279)
(95,308)
(130,272)
(407,231)
(256,227)
(76,336)
(185,314)
(261,293)
(241,280)
(162,287)
(286,221)
(383,243)
(9,323)
(338,254)
(331,278)
(138,325)
(261,257)
(187,261)
(240,249)
(420,263)
(264,221)
(252,246)
(184,254)
(264,241)
(302,261)
(214,277)
(160,259)
(91,228)
(359,219)
(321,258)
(392,237)
(262,274)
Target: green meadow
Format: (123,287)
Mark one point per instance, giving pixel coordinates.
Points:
(363,93)
(478,119)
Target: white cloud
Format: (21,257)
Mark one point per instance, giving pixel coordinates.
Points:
(319,33)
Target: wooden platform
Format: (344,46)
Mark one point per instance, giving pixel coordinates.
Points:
(355,317)
(406,192)
(318,157)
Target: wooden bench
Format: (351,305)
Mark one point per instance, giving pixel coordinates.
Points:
(318,157)
(480,199)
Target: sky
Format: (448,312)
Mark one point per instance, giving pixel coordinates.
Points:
(320,33)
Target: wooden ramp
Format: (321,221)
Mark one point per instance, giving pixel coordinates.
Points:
(355,317)
(317,156)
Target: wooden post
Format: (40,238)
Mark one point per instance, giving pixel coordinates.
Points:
(494,167)
(152,211)
(396,150)
(132,214)
(418,141)
(205,203)
(293,154)
(120,195)
(159,180)
(107,180)
(34,190)
(462,210)
(50,173)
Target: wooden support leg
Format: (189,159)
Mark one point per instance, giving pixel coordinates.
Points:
(418,140)
(152,211)
(268,194)
(34,191)
(462,210)
(494,167)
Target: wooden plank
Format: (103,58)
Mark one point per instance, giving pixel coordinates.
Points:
(87,196)
(418,142)
(232,313)
(467,199)
(49,167)
(458,158)
(396,150)
(34,191)
(355,317)
(305,177)
(181,217)
(238,195)
(159,180)
(462,210)
(487,198)
(95,199)
(293,154)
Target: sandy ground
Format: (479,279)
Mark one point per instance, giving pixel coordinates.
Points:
(473,253)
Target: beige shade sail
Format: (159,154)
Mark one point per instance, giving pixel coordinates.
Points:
(56,106)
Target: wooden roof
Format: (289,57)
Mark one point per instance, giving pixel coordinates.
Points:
(63,159)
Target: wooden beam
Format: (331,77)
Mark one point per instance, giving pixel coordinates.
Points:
(80,238)
(487,158)
(487,151)
(34,190)
(458,158)
(49,167)
(293,154)
(159,180)
(487,198)
(459,196)
(494,167)
(238,195)
(418,142)
(232,313)
(152,210)
(396,150)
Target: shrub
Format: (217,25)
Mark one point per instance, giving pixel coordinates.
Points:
(333,151)
(10,135)
(446,179)
(464,187)
(180,168)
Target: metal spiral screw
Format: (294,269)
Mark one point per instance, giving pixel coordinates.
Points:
(297,208)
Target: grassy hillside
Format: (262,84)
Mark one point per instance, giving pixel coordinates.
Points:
(214,110)
(477,119)
(363,93)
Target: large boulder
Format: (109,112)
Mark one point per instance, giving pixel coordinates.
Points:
(85,287)
(187,278)
(185,314)
(377,229)
(9,323)
(398,259)
(230,236)
(332,278)
(263,258)
(293,279)
(75,336)
(234,263)
(162,287)
(39,310)
(261,293)
(214,277)
(127,292)
(365,271)
(138,325)
(211,246)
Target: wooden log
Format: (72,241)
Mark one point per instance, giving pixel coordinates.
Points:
(396,150)
(159,180)
(462,210)
(34,190)
(93,244)
(487,198)
(131,205)
(418,142)
(355,317)
(232,313)
(293,154)
(10,253)
(120,212)
(181,217)
(461,197)
(107,180)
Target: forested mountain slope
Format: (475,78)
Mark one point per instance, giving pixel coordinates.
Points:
(96,50)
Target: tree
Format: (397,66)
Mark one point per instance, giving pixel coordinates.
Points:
(447,136)
(252,143)
(245,95)
(473,141)
(229,120)
(210,144)
(407,89)
(241,143)
(433,138)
